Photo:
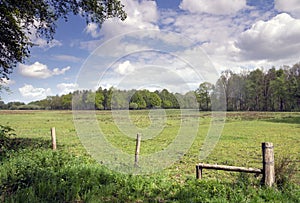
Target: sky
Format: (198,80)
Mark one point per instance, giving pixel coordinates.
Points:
(173,44)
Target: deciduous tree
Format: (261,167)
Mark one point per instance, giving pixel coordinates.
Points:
(20,19)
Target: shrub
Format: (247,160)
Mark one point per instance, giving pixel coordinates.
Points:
(285,170)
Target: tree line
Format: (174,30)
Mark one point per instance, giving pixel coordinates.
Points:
(257,90)
(107,99)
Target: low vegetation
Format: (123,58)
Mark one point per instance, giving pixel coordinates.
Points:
(31,171)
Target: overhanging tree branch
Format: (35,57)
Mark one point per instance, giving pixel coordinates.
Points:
(18,18)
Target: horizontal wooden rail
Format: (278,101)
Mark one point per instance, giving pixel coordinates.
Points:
(268,169)
(201,166)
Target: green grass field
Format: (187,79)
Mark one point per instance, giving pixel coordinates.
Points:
(239,145)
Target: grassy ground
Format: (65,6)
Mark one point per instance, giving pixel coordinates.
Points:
(239,145)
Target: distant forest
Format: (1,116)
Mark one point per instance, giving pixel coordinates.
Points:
(257,90)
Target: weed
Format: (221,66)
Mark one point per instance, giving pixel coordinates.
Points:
(285,170)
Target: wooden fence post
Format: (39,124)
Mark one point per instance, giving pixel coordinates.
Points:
(53,138)
(137,149)
(198,172)
(268,164)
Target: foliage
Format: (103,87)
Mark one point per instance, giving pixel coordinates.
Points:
(285,170)
(203,96)
(47,176)
(20,19)
(104,99)
(273,90)
(6,132)
(29,107)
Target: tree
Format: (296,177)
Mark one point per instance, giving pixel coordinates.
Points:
(138,99)
(66,101)
(151,98)
(203,96)
(119,99)
(19,19)
(223,83)
(107,98)
(14,105)
(168,100)
(55,102)
(255,90)
(3,105)
(99,98)
(279,88)
(154,100)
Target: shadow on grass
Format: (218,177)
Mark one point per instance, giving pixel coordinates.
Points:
(288,120)
(11,145)
(22,143)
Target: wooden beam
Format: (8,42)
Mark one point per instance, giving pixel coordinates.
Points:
(229,168)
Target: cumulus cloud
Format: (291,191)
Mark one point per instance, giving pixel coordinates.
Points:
(291,6)
(140,15)
(39,70)
(66,88)
(271,40)
(125,68)
(30,92)
(218,7)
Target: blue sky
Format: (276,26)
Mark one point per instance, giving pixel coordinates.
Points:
(165,43)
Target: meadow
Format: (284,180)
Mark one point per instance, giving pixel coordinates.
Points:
(31,170)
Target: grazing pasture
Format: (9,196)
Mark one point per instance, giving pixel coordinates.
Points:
(239,145)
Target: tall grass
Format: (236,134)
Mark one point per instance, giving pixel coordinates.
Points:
(49,176)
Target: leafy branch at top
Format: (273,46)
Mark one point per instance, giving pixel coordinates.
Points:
(19,19)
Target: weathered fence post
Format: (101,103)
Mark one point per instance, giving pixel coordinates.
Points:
(53,137)
(137,149)
(268,164)
(198,172)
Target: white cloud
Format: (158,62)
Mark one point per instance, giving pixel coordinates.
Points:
(66,88)
(39,70)
(90,45)
(36,40)
(272,40)
(92,29)
(291,6)
(125,68)
(219,7)
(5,82)
(114,47)
(140,15)
(30,92)
(218,34)
(42,43)
(67,58)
